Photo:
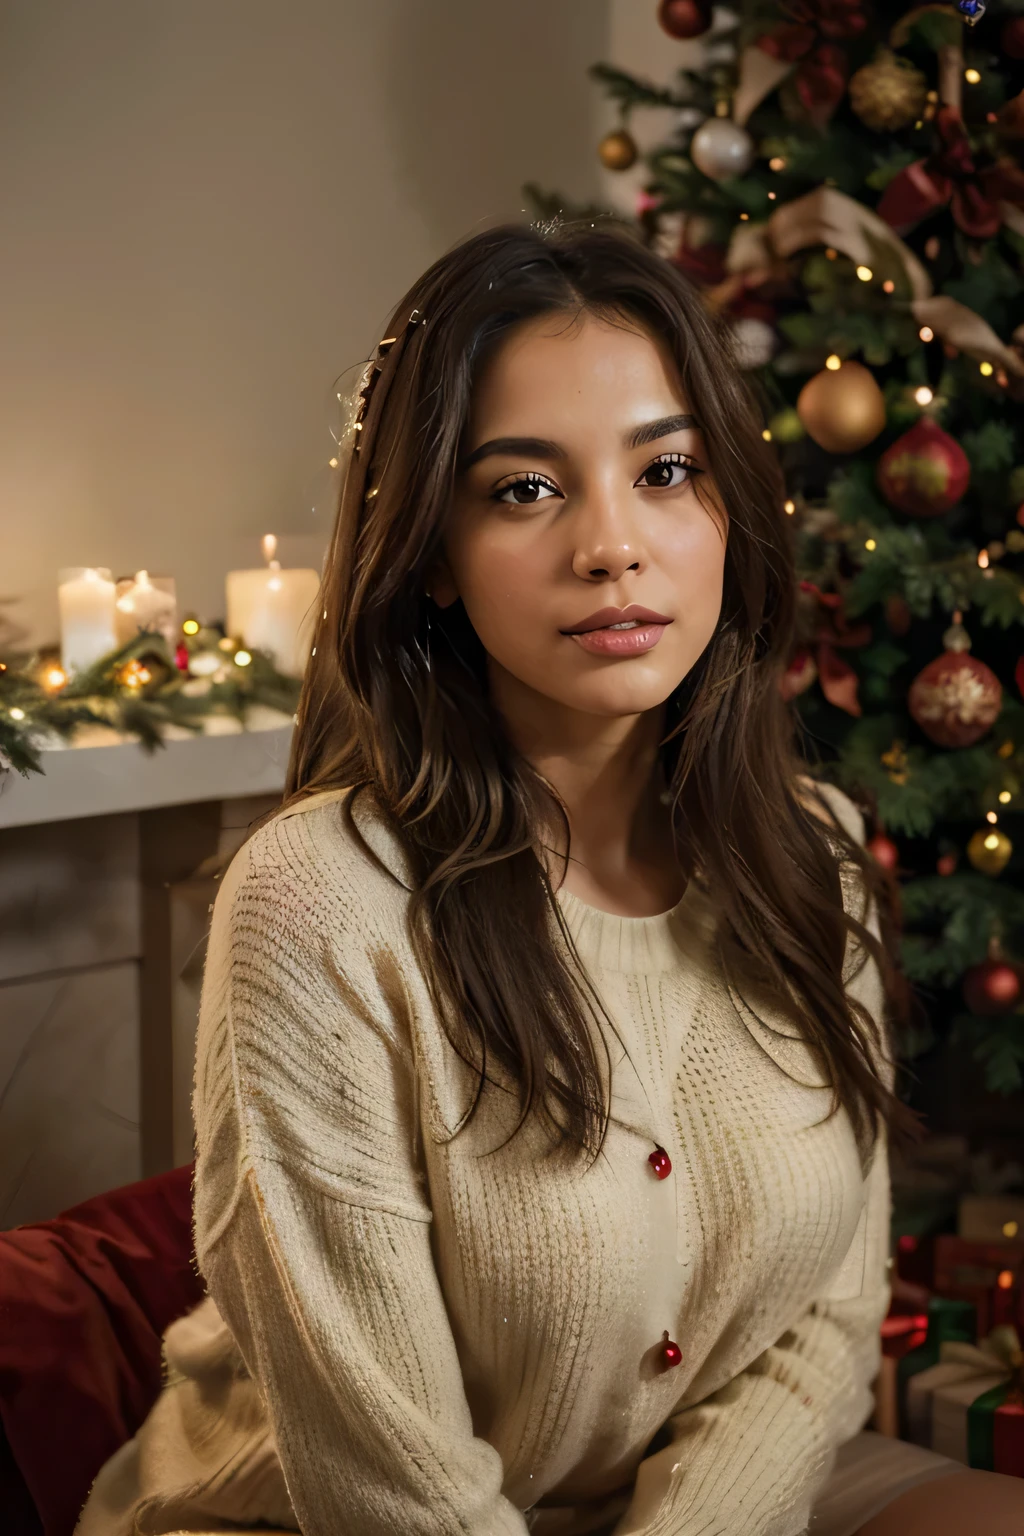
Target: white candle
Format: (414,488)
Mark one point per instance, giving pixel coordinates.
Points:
(274,610)
(145,602)
(85,595)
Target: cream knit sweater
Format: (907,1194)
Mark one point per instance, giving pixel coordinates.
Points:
(451,1343)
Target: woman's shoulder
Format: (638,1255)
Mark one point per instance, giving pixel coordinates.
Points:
(312,859)
(827,801)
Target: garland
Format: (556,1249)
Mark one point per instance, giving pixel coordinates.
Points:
(138,690)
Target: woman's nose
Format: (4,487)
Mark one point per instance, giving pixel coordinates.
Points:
(606,543)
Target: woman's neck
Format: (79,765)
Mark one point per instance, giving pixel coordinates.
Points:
(606,772)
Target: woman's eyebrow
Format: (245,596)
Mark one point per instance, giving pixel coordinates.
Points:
(652,430)
(518,447)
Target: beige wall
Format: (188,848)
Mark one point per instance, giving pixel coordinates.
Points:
(208,207)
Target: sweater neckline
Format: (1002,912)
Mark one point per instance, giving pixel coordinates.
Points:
(609,942)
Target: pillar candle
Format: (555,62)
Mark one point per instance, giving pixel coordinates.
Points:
(85,595)
(145,602)
(274,610)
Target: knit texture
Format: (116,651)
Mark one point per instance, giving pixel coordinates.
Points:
(449,1342)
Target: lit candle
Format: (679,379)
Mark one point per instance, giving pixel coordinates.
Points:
(85,595)
(273,610)
(145,602)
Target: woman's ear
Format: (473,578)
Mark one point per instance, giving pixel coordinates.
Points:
(440,584)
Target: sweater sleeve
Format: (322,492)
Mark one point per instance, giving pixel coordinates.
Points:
(753,1456)
(312,1214)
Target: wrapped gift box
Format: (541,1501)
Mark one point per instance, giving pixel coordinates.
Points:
(970,1406)
(988,1275)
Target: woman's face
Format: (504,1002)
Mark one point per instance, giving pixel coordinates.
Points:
(582,505)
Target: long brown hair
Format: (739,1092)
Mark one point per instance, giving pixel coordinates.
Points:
(395,699)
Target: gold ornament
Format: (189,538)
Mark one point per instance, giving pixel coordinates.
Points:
(134,674)
(617,150)
(989,851)
(895,761)
(888,93)
(842,408)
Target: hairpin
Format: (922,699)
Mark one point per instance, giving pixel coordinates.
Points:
(372,372)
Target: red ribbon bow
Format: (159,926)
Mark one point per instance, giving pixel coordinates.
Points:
(949,175)
(837,678)
(820,79)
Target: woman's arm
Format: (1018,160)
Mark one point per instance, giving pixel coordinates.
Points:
(750,1459)
(312,1219)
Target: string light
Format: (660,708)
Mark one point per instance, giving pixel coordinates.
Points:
(923,395)
(888,286)
(789,506)
(991,816)
(242,658)
(1004,797)
(1004,1280)
(972,77)
(833,362)
(992,841)
(772,196)
(870,544)
(17,714)
(776,163)
(983,559)
(1010,1229)
(54,678)
(744,216)
(190,627)
(865,274)
(985,369)
(766,435)
(926,333)
(831,254)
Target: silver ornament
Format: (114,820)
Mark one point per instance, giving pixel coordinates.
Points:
(720,149)
(753,342)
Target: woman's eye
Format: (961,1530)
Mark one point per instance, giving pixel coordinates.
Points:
(667,473)
(524,492)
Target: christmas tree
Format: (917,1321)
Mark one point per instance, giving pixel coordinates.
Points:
(845,184)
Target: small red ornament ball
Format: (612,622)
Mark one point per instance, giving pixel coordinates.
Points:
(181,657)
(884,851)
(661,1163)
(924,472)
(945,864)
(992,988)
(684,19)
(1013,37)
(955,700)
(671,1353)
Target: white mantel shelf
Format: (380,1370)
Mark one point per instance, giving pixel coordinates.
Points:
(103,774)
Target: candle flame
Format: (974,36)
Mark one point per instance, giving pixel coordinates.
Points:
(269,546)
(142,579)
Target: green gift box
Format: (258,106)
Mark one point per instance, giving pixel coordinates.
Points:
(970,1405)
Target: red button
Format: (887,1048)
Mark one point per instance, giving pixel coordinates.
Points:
(661,1163)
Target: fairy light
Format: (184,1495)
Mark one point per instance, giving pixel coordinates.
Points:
(744,216)
(983,559)
(888,286)
(972,76)
(923,395)
(1005,797)
(986,370)
(833,362)
(772,196)
(991,842)
(242,658)
(766,435)
(991,816)
(1004,1280)
(870,544)
(54,678)
(831,254)
(789,507)
(17,714)
(926,333)
(776,163)
(1010,1229)
(190,627)
(865,274)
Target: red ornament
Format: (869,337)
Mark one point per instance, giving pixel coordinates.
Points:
(992,988)
(799,675)
(1013,37)
(181,657)
(684,19)
(661,1163)
(956,699)
(924,472)
(671,1352)
(884,851)
(945,864)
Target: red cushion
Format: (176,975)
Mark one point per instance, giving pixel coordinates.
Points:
(84,1301)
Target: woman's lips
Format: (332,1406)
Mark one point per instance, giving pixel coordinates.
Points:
(620,642)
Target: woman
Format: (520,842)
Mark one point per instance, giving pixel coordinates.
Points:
(542,1082)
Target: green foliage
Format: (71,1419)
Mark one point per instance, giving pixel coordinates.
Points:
(998,1045)
(990,447)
